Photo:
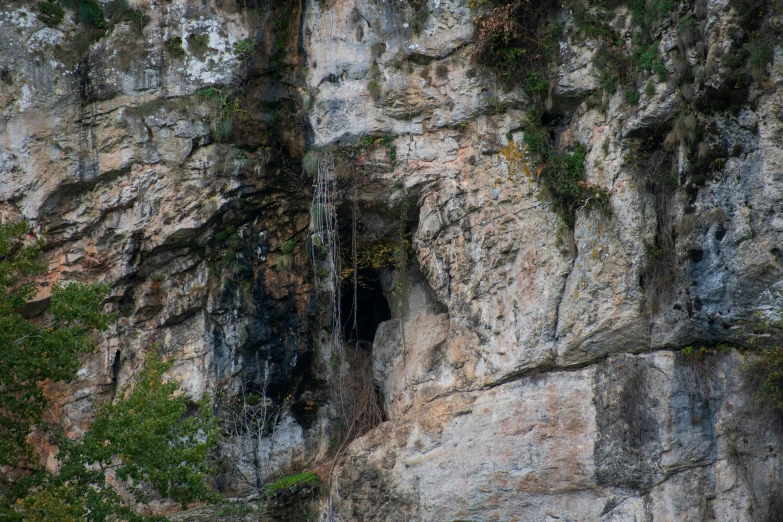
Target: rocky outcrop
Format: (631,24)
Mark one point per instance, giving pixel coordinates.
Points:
(631,438)
(510,383)
(529,370)
(132,156)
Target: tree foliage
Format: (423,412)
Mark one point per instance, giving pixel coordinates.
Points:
(35,351)
(148,443)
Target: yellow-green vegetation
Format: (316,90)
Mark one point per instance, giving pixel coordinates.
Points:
(287,247)
(350,160)
(379,254)
(562,174)
(373,143)
(301,480)
(702,351)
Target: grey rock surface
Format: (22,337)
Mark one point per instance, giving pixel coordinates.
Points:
(524,373)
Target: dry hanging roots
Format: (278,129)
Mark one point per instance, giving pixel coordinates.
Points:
(359,404)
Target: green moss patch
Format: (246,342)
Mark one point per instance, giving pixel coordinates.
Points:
(301,480)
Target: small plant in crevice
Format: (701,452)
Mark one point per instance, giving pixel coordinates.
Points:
(50,13)
(174,47)
(285,257)
(374,89)
(615,68)
(562,174)
(310,162)
(512,39)
(138,20)
(90,14)
(301,480)
(660,70)
(536,84)
(699,369)
(244,49)
(225,111)
(441,71)
(421,12)
(632,97)
(766,369)
(760,51)
(198,44)
(645,57)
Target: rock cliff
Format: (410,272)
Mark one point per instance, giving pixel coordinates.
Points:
(527,362)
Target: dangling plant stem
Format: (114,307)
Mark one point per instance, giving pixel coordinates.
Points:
(326,240)
(354,251)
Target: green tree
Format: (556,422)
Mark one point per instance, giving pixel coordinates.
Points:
(147,443)
(149,440)
(35,351)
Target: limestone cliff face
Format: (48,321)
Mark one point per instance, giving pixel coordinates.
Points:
(528,371)
(143,166)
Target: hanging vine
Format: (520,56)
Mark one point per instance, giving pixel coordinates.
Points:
(325,239)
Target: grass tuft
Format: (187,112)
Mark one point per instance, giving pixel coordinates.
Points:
(307,479)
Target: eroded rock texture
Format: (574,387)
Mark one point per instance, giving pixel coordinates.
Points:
(528,371)
(143,167)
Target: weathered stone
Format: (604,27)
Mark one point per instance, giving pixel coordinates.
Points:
(525,372)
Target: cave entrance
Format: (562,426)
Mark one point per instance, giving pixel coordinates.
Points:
(372,307)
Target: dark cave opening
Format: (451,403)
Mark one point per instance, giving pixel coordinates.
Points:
(371,307)
(114,373)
